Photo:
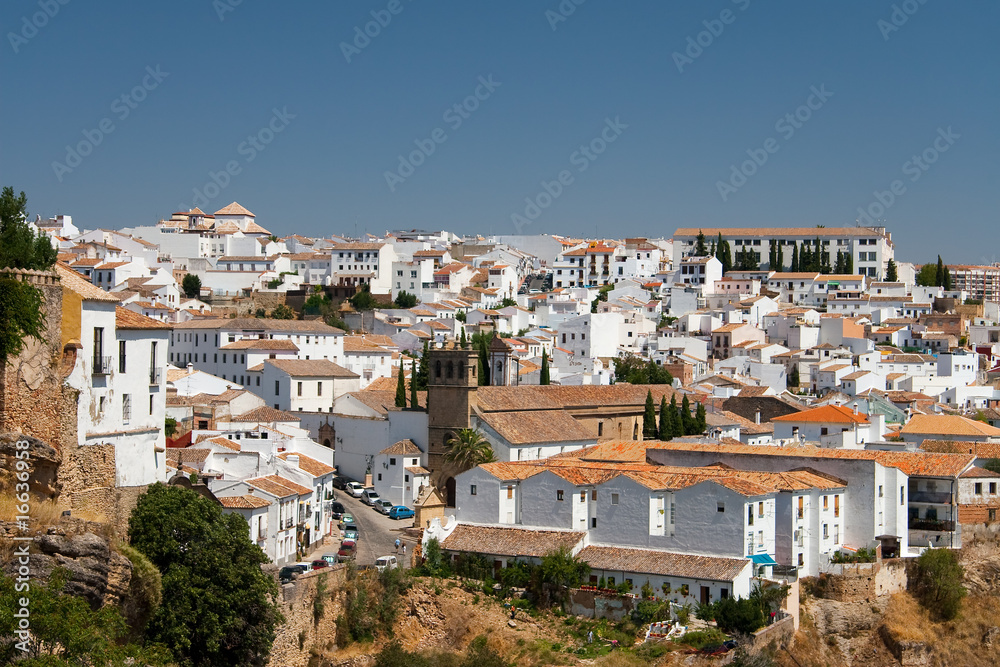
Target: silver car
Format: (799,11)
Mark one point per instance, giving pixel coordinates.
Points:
(383,506)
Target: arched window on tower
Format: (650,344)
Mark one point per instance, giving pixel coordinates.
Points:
(451,369)
(437,369)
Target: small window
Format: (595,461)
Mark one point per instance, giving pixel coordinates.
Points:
(583,496)
(406,478)
(826,531)
(593,522)
(392,461)
(826,503)
(760,510)
(472,490)
(510,492)
(801,560)
(902,495)
(880,491)
(993,515)
(750,514)
(559,495)
(721,507)
(993,488)
(299,388)
(380,477)
(614,498)
(979,488)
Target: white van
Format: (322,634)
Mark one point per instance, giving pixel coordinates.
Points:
(386,563)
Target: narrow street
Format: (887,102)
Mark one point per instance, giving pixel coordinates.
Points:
(378,533)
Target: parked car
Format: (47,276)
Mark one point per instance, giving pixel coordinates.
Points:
(386,563)
(341,483)
(348,550)
(351,532)
(320,563)
(355,489)
(401,512)
(383,505)
(330,558)
(306,567)
(345,519)
(369,497)
(288,573)
(337,510)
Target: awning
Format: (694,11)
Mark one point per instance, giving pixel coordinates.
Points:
(763,559)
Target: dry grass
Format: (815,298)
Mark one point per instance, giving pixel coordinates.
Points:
(43,513)
(907,621)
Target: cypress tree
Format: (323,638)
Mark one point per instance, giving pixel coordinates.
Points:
(687,421)
(544,373)
(400,389)
(849,263)
(795,258)
(891,274)
(772,255)
(676,423)
(805,258)
(939,275)
(818,257)
(700,248)
(665,432)
(413,385)
(727,257)
(422,374)
(463,342)
(700,419)
(793,377)
(484,363)
(649,431)
(781,260)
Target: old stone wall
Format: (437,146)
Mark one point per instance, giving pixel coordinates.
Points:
(859,582)
(310,628)
(593,605)
(31,383)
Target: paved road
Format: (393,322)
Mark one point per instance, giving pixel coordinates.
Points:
(378,533)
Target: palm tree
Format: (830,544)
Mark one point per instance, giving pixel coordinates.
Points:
(469,449)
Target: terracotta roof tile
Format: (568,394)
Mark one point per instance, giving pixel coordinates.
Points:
(311,368)
(402,448)
(128,319)
(246,502)
(664,563)
(537,426)
(948,425)
(278,486)
(509,541)
(309,464)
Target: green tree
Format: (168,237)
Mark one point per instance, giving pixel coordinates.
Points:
(421,379)
(772,255)
(65,630)
(891,273)
(218,605)
(394,655)
(169,427)
(20,247)
(700,249)
(738,615)
(363,299)
(993,465)
(463,342)
(649,430)
(413,385)
(191,285)
(400,389)
(781,260)
(21,315)
(665,432)
(469,449)
(283,312)
(544,373)
(676,423)
(687,421)
(927,275)
(700,419)
(460,316)
(727,257)
(507,302)
(849,263)
(562,570)
(405,300)
(939,272)
(938,583)
(795,258)
(793,376)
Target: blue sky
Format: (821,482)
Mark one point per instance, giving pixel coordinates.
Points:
(673,129)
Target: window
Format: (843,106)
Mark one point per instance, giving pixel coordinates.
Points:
(98,348)
(993,488)
(801,511)
(826,504)
(879,490)
(510,492)
(559,495)
(121,356)
(836,506)
(750,514)
(406,478)
(392,461)
(979,488)
(993,515)
(760,538)
(721,507)
(583,496)
(760,510)
(150,404)
(614,498)
(126,407)
(902,495)
(593,495)
(826,531)
(801,559)
(593,522)
(380,477)
(300,389)
(277,387)
(600,429)
(472,490)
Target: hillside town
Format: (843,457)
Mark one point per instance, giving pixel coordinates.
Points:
(698,414)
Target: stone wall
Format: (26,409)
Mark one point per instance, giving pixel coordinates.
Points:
(304,633)
(857,582)
(592,605)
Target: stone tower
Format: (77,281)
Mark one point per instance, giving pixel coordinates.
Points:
(452,381)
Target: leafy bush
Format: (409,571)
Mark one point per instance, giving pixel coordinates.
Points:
(650,611)
(684,614)
(937,582)
(480,654)
(472,566)
(739,615)
(647,591)
(701,638)
(394,655)
(705,612)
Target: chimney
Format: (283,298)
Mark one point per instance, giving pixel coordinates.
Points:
(855,407)
(293,459)
(756,417)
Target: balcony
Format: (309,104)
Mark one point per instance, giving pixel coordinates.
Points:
(155,376)
(102,365)
(935,497)
(932,525)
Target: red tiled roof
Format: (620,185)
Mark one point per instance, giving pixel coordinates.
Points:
(663,563)
(827,414)
(509,541)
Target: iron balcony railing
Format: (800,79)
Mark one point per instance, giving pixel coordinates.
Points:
(102,365)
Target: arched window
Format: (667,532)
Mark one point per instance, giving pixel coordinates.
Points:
(461,369)
(451,369)
(437,369)
(635,431)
